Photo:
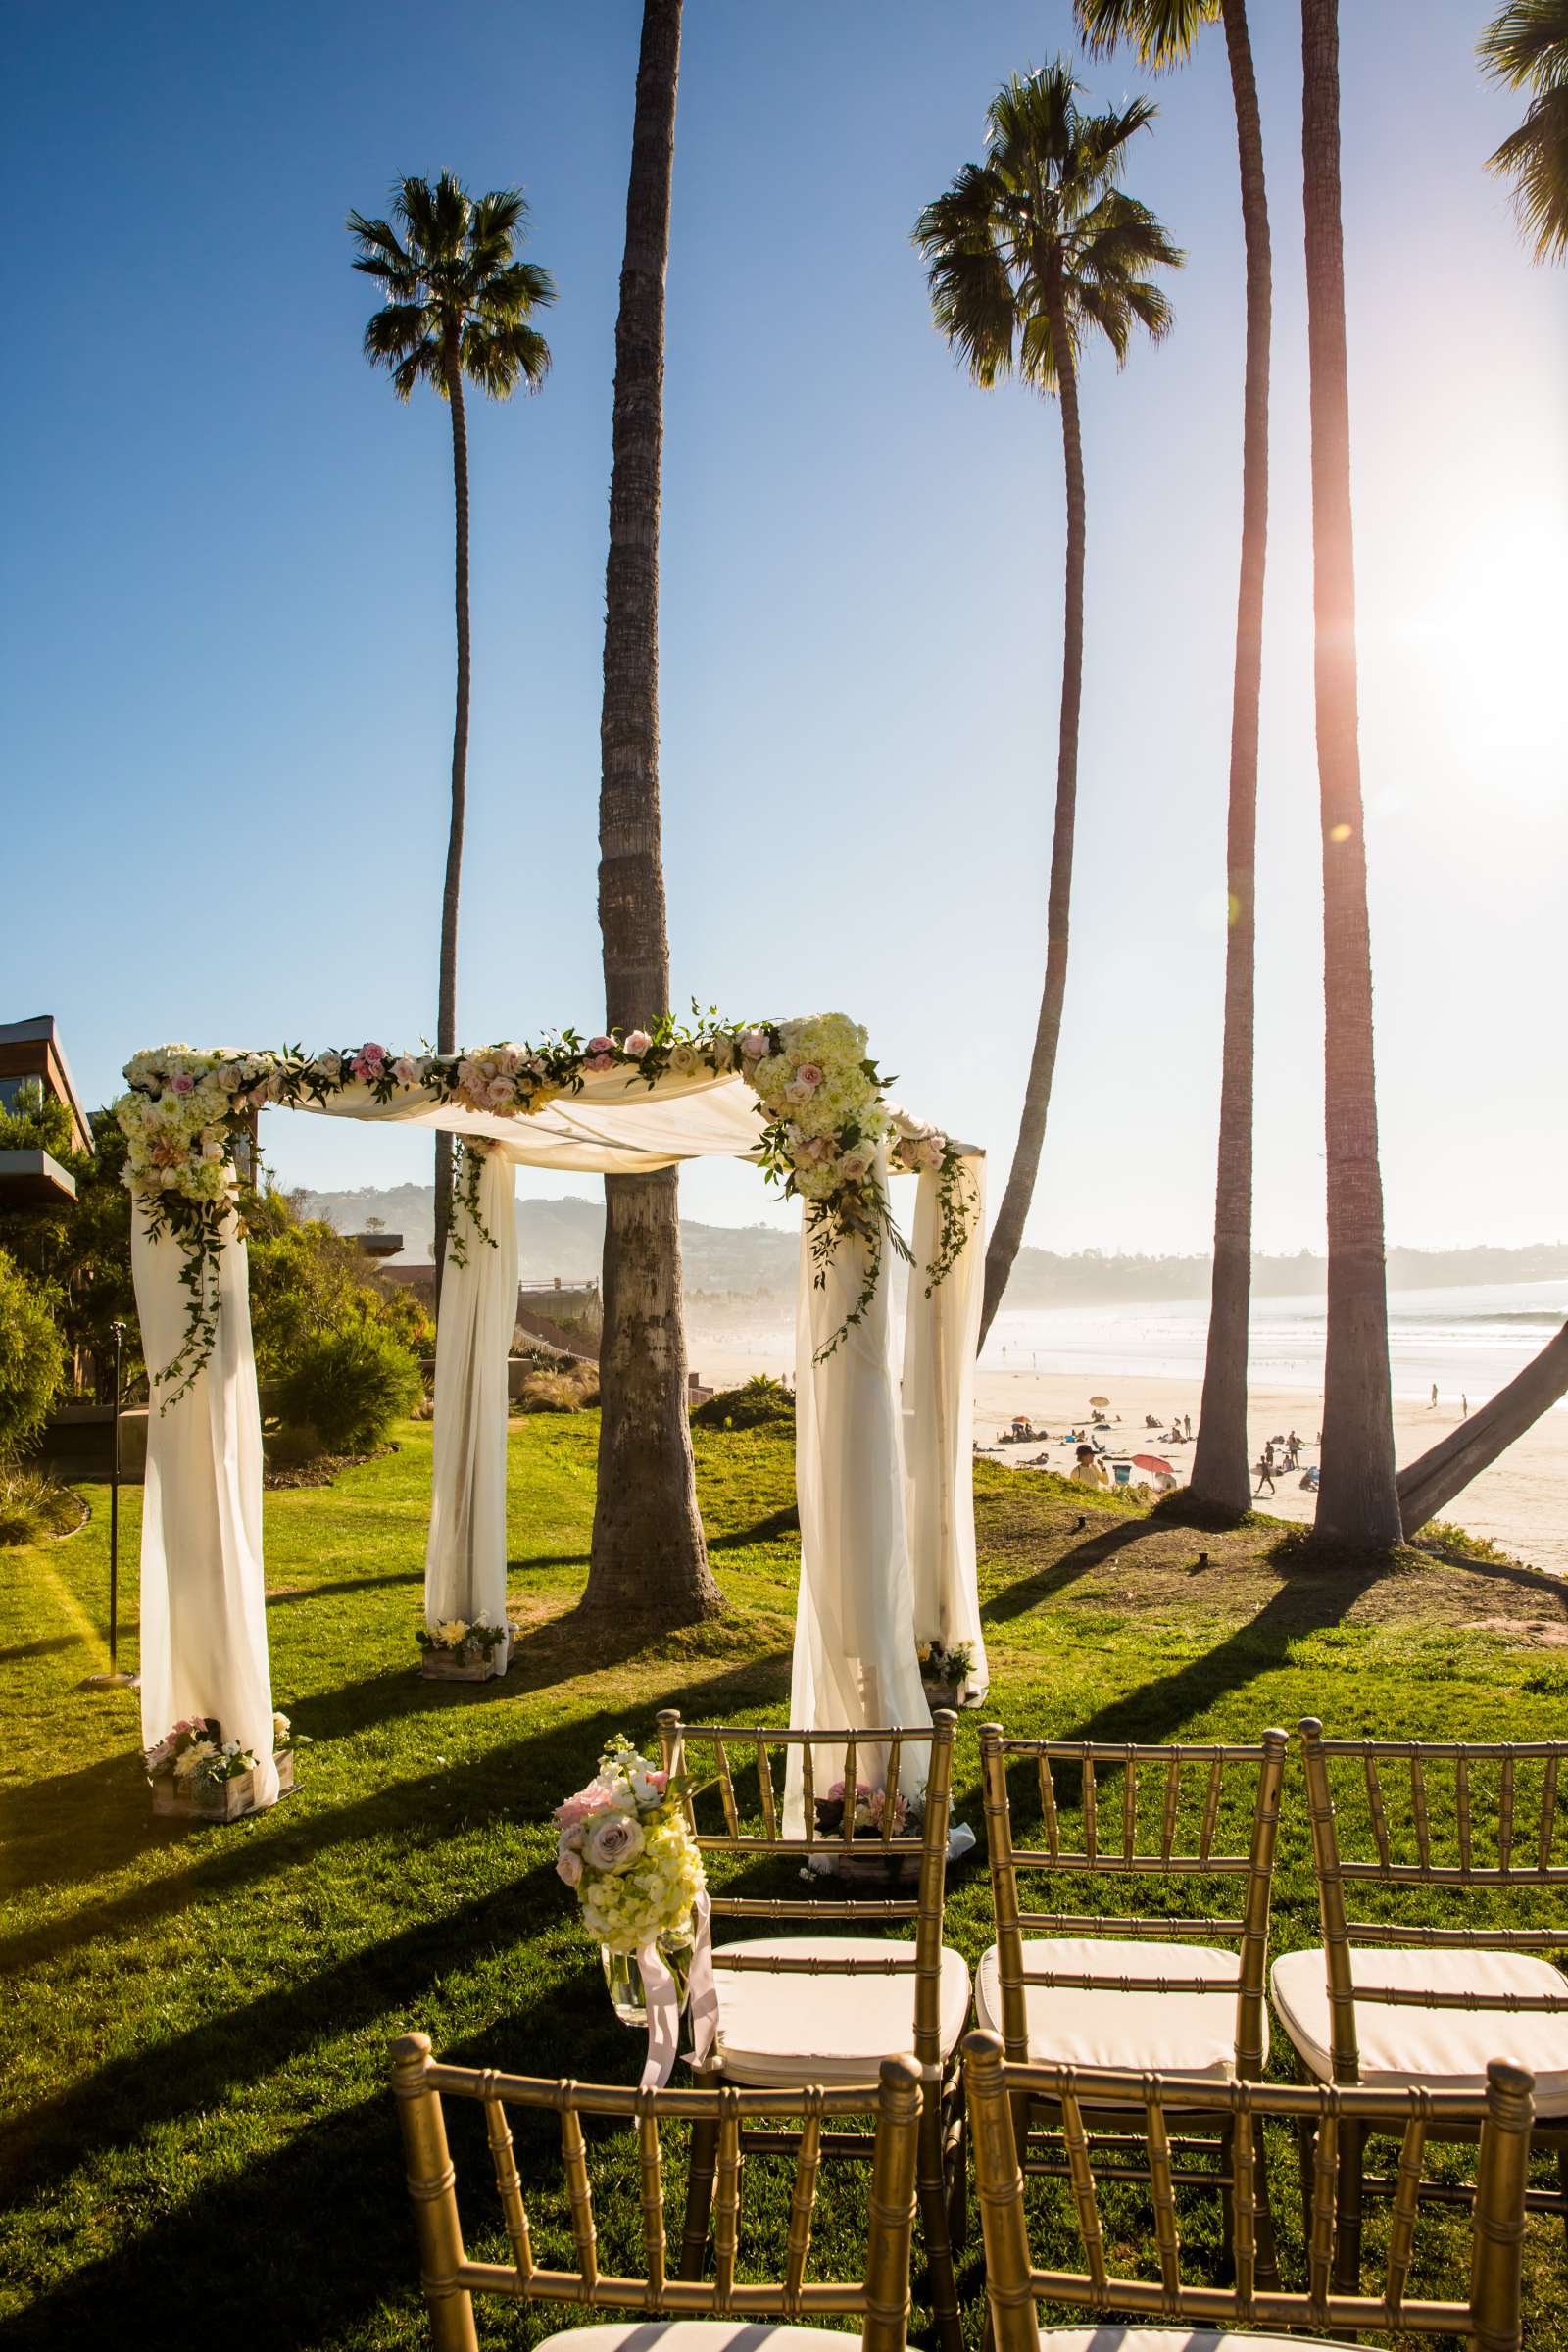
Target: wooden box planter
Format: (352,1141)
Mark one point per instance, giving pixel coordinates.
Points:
(943,1694)
(448,1666)
(878,1869)
(221,1800)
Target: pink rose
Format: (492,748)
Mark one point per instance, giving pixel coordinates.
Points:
(809,1074)
(600,1062)
(614,1842)
(753,1045)
(601,1045)
(638,1043)
(370,1053)
(499,1091)
(405,1070)
(595,1798)
(568,1867)
(182,1083)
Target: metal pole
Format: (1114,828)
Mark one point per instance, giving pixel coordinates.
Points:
(114,1680)
(119,1330)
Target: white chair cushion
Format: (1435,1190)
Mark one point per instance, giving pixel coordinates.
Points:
(1447,2048)
(775,2030)
(1166,2032)
(1177,2340)
(694,2335)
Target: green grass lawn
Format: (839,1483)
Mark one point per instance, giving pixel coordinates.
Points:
(196,2132)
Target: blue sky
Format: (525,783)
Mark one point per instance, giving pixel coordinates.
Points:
(227,648)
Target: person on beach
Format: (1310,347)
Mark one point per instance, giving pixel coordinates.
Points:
(1087,1470)
(1465,1406)
(1433,1406)
(1292,1447)
(1187,1423)
(1265,1471)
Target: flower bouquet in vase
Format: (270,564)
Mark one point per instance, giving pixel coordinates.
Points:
(463,1650)
(884,1863)
(627,1853)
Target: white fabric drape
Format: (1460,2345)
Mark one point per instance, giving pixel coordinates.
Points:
(941,1334)
(465,1558)
(203,1605)
(855,1650)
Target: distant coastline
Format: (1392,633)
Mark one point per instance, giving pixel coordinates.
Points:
(759,1263)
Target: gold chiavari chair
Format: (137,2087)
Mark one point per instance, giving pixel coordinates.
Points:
(680,2314)
(816,2005)
(1161,1992)
(1398,2001)
(1249,2311)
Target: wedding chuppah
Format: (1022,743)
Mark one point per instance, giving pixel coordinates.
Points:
(882,1452)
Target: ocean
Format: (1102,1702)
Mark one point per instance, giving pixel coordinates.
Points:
(1469,1341)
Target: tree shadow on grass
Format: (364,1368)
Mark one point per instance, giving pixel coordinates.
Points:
(772,1529)
(39,1650)
(344,1584)
(519,1780)
(1307,1600)
(1017,1599)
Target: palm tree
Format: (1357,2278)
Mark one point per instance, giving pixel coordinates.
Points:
(1358,1504)
(1526,47)
(460,304)
(1162,32)
(1028,255)
(649,1562)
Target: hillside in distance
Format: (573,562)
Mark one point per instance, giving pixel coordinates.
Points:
(563,1239)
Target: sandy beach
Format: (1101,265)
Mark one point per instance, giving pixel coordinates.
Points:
(1520,1504)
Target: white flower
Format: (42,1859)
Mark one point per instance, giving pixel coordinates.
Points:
(452,1633)
(683,1059)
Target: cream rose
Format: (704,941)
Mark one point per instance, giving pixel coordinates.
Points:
(614,1842)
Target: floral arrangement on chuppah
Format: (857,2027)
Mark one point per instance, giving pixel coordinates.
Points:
(626,1849)
(867,1819)
(827,1121)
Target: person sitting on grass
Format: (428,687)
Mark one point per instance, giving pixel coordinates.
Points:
(1087,1470)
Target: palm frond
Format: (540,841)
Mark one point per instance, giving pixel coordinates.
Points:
(1528,44)
(1160,32)
(499,357)
(1534,157)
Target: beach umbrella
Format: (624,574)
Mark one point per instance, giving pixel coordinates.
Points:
(1153,1463)
(1099,1400)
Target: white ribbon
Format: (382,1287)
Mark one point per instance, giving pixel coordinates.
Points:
(662,2002)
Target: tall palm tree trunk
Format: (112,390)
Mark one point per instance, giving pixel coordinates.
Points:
(446,1028)
(1358,1504)
(1007,1234)
(1221,1460)
(649,1561)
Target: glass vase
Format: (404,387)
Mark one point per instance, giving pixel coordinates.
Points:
(623,1977)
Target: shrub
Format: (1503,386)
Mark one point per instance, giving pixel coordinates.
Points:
(349,1386)
(761,1403)
(559,1392)
(32,1357)
(32,1507)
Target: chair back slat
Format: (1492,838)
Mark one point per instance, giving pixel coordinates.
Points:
(579,2191)
(726,1788)
(890,1807)
(1548,1813)
(803,2201)
(726,2217)
(508,2185)
(1173,1798)
(880,2294)
(765,1785)
(1484,1850)
(1418,1809)
(1134,2108)
(651,2183)
(1119,1856)
(1402,2215)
